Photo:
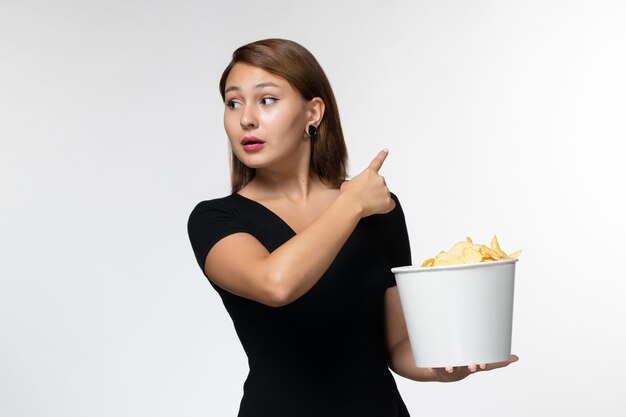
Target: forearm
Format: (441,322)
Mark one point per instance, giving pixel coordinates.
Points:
(402,363)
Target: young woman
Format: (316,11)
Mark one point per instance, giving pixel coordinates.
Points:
(300,256)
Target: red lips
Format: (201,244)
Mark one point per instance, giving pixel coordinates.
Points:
(252,143)
(251,139)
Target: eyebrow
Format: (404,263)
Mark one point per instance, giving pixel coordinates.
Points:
(267,84)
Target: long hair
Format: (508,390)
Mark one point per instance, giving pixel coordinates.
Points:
(294,63)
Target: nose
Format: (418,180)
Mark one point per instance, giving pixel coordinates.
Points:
(249,118)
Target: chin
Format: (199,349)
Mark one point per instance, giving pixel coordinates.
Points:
(253,162)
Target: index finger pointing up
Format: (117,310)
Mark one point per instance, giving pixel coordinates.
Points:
(377,162)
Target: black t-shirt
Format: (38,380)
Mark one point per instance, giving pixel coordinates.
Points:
(324,354)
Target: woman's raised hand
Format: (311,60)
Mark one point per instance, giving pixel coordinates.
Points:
(368,189)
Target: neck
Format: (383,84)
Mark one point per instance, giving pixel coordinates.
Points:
(290,178)
(296,187)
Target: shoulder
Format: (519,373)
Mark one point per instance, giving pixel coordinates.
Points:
(212,220)
(396,213)
(394,197)
(215,209)
(389,224)
(227,203)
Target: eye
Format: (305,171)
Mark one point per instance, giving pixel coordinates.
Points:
(268,100)
(233,104)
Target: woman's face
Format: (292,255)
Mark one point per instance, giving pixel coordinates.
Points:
(265,117)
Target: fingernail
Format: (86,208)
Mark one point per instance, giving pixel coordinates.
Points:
(385,150)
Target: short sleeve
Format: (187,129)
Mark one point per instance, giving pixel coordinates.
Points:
(396,238)
(209,222)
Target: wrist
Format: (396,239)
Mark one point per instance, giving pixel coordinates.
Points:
(349,204)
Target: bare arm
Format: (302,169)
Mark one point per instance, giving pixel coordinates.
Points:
(401,357)
(241,265)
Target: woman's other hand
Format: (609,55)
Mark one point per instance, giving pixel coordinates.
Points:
(452,374)
(368,189)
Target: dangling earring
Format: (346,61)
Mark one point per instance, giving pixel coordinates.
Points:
(312,131)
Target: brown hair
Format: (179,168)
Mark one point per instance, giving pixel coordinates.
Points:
(294,63)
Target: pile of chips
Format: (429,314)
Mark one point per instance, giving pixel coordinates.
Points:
(468,252)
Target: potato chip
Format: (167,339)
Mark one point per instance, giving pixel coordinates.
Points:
(496,247)
(458,248)
(472,255)
(488,253)
(448,258)
(467,252)
(429,262)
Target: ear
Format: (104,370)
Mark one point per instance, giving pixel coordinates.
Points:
(315,111)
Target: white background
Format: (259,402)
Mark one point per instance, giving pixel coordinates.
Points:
(502,117)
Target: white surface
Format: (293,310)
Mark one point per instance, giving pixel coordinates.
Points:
(458,315)
(502,118)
